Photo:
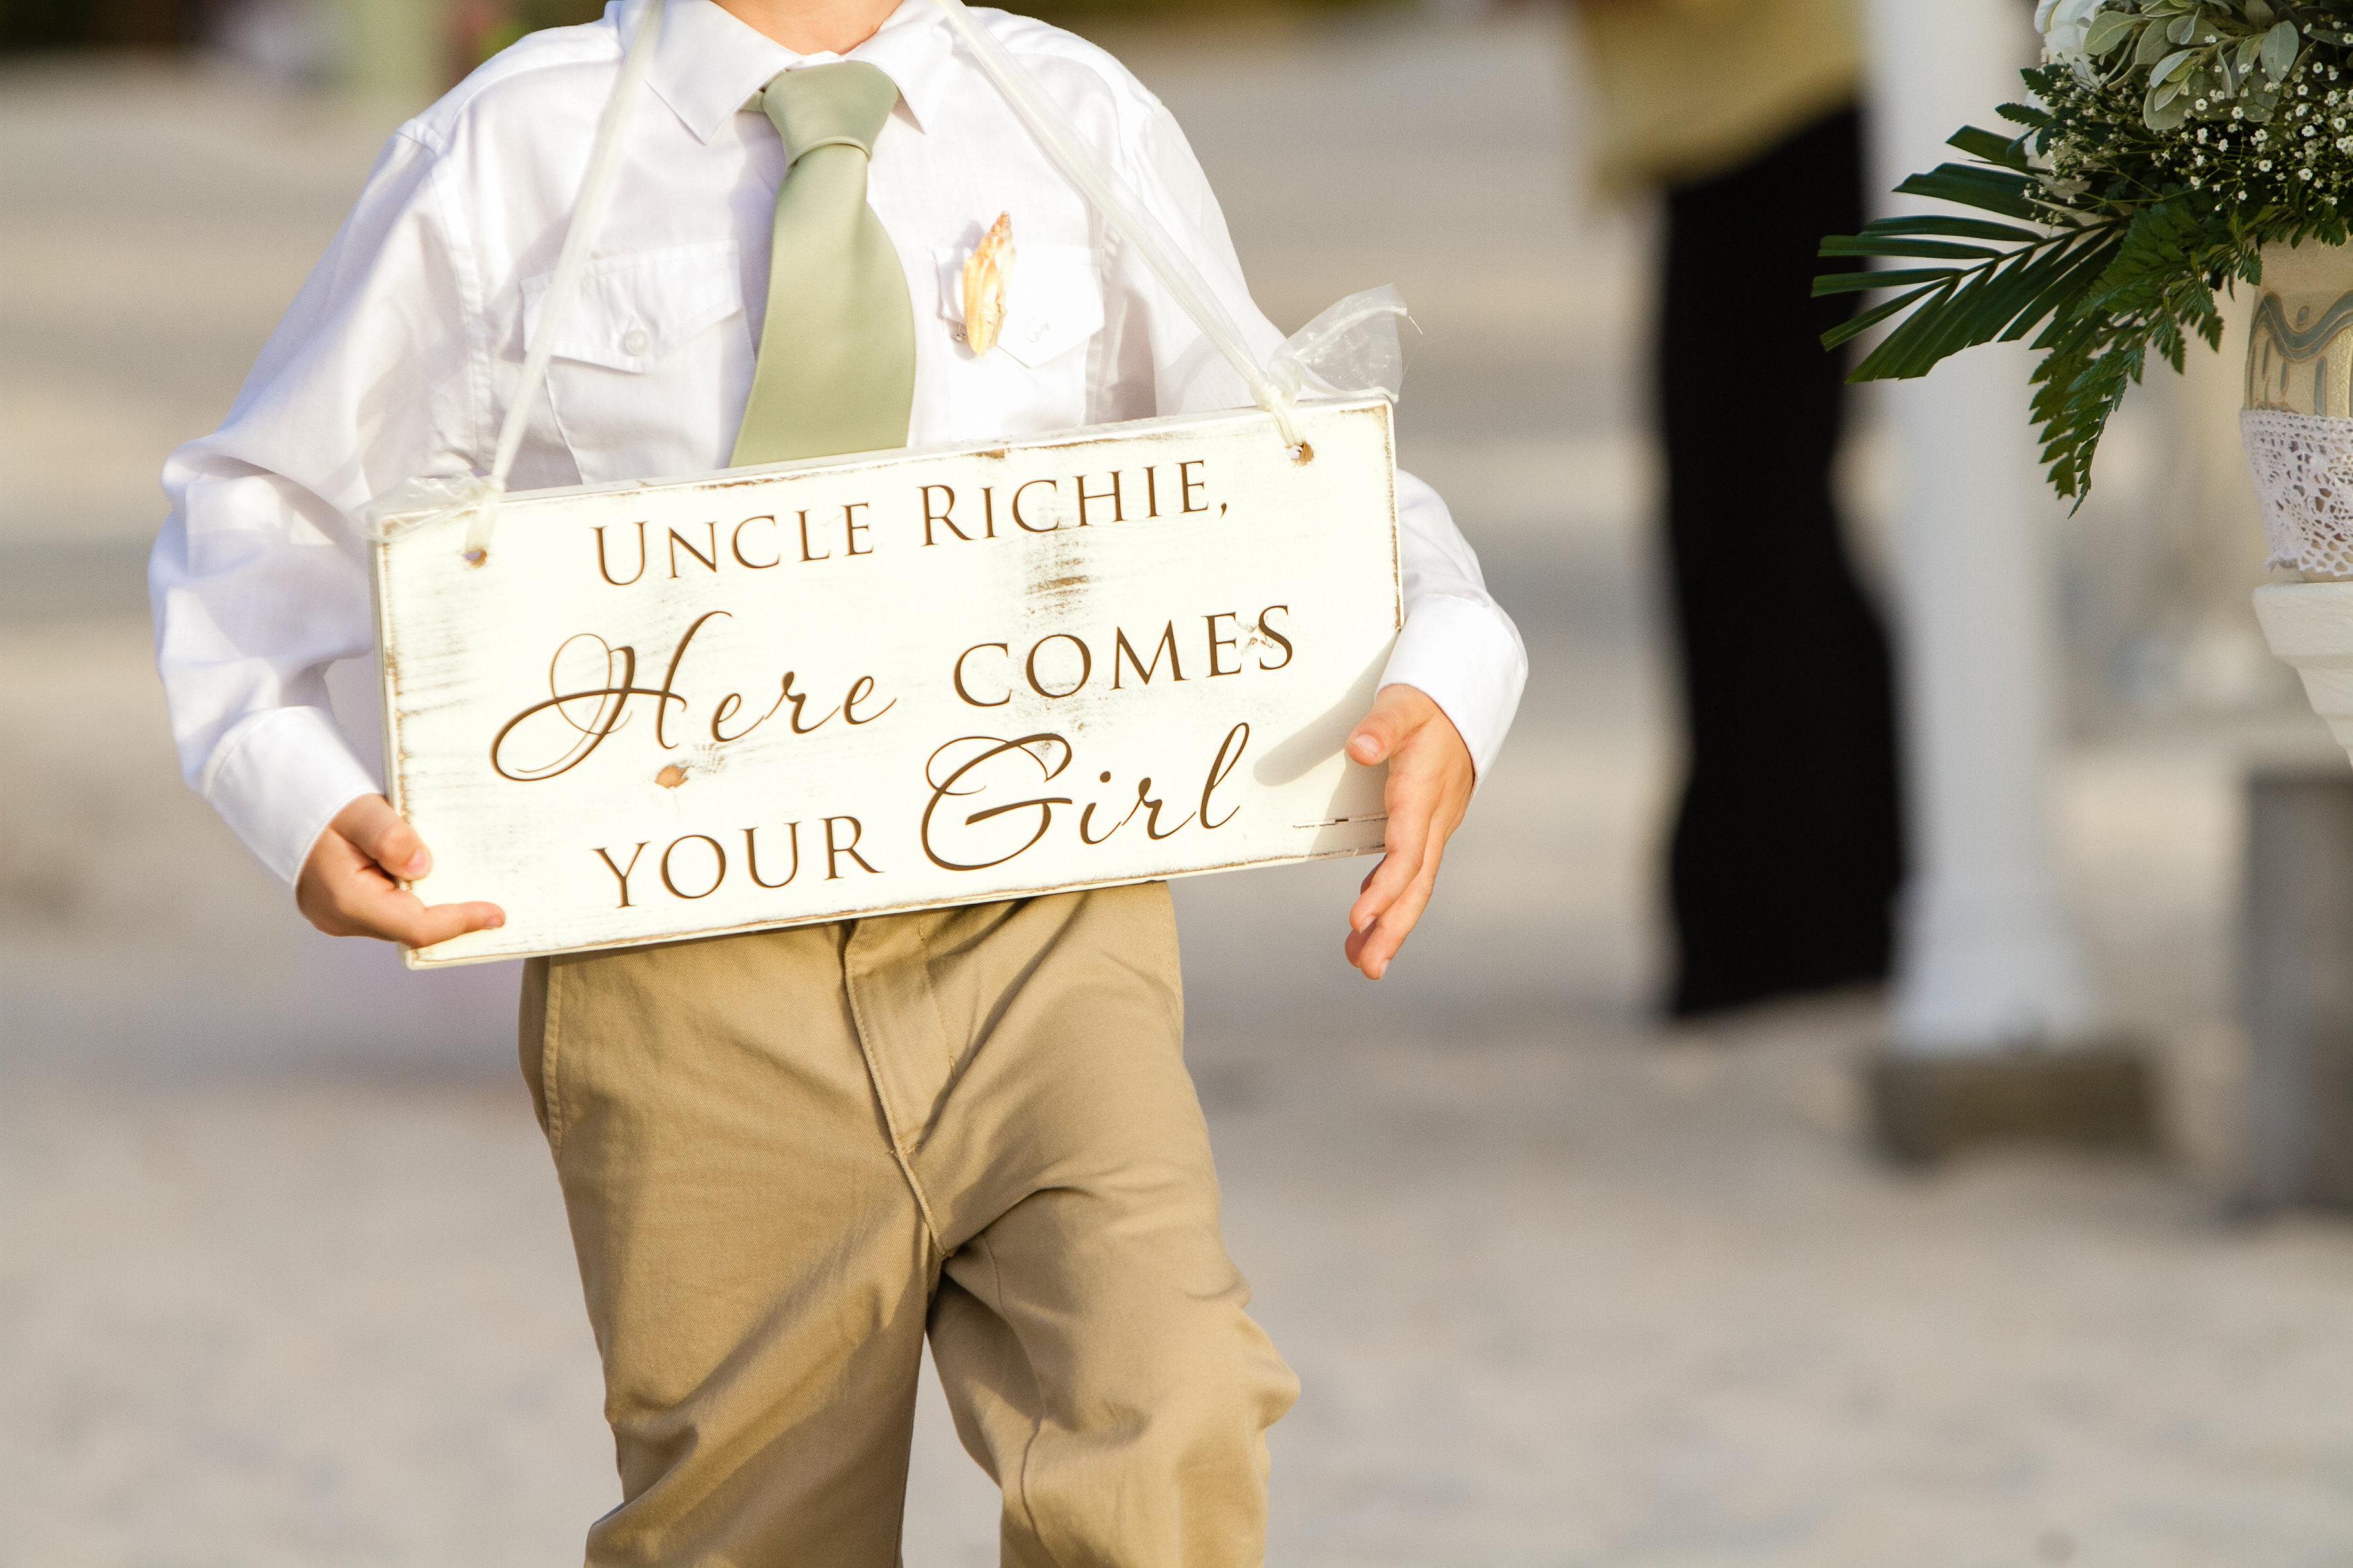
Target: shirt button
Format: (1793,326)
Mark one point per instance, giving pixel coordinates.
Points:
(638,341)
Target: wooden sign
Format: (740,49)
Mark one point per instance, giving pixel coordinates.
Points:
(847,687)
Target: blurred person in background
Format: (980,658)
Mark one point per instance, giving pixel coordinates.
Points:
(1788,843)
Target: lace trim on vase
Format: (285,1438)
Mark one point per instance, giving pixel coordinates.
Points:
(2302,466)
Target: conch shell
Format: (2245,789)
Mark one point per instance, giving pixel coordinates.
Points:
(986,273)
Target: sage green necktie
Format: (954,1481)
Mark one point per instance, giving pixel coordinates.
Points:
(836,368)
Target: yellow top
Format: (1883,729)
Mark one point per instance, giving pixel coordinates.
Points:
(1686,89)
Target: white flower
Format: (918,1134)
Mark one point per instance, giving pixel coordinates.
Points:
(2064,24)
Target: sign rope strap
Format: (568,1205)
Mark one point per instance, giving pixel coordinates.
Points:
(1127,218)
(477,497)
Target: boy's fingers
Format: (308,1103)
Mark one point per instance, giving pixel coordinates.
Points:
(1372,949)
(1412,803)
(398,915)
(1400,887)
(434,923)
(379,832)
(352,884)
(1400,863)
(1384,729)
(1375,739)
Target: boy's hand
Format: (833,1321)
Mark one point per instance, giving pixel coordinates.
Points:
(350,885)
(1430,776)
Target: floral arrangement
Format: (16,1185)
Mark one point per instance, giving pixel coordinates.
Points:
(2164,143)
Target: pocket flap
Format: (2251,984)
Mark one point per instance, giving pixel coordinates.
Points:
(1053,299)
(633,310)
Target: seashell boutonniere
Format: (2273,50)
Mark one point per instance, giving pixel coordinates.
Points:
(986,271)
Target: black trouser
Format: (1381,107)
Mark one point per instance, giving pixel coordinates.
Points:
(1789,843)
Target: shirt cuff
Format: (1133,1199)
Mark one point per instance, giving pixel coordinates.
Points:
(1466,656)
(281,778)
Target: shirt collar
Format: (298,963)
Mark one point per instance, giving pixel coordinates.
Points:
(707,64)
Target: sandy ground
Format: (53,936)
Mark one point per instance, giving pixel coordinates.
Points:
(283,1276)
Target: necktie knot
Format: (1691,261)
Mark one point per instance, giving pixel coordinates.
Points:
(829,105)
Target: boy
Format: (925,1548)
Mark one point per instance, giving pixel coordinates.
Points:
(789,1155)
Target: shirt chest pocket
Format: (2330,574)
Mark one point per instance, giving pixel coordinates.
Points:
(1035,380)
(651,363)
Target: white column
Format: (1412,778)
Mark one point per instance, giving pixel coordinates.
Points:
(1987,956)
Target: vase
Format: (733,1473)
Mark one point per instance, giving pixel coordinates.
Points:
(2298,425)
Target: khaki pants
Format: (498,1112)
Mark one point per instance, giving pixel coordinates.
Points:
(788,1155)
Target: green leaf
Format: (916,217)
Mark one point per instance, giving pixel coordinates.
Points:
(1952,227)
(2069,282)
(2280,46)
(2023,295)
(2008,152)
(1988,190)
(2170,64)
(1855,326)
(2250,51)
(1937,249)
(2153,45)
(2108,29)
(1830,283)
(2182,28)
(1974,314)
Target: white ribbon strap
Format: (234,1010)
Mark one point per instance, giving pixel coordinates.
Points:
(478,497)
(1127,218)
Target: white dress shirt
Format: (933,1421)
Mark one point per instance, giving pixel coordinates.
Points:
(400,355)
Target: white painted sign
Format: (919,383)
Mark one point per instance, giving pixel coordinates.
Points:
(848,688)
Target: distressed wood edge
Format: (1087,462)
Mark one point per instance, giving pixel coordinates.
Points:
(419,959)
(394,770)
(1397,548)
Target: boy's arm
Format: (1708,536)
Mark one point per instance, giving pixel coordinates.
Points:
(1452,682)
(259,579)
